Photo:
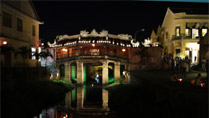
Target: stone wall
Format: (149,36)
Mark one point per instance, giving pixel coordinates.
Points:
(145,58)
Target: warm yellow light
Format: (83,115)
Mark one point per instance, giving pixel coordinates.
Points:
(64,49)
(4,42)
(192,46)
(204,31)
(187,32)
(123,50)
(93,45)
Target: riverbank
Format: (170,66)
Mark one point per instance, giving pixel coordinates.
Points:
(26,98)
(153,94)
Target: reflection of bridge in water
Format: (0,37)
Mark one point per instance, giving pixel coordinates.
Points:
(74,53)
(87,100)
(83,101)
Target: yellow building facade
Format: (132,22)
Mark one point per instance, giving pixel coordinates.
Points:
(19,26)
(182,32)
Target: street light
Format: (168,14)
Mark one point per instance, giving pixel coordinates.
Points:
(141,30)
(4,42)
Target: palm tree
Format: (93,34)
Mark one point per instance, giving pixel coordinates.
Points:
(24,52)
(37,55)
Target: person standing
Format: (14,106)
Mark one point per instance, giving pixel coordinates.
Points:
(183,68)
(198,80)
(172,65)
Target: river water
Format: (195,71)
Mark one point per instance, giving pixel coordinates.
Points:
(89,101)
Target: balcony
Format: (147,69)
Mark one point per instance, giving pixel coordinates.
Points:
(183,37)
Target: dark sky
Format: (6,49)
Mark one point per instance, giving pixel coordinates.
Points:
(68,17)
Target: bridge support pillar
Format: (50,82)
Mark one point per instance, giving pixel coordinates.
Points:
(105,72)
(79,72)
(80,97)
(105,99)
(67,71)
(117,71)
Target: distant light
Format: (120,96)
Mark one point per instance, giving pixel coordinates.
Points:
(93,45)
(92,85)
(180,80)
(51,76)
(4,42)
(64,49)
(202,84)
(42,44)
(124,73)
(57,74)
(123,50)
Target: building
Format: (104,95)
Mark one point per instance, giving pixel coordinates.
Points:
(106,53)
(155,38)
(204,48)
(182,29)
(19,27)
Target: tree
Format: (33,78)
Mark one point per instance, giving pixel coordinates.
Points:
(45,54)
(24,51)
(37,55)
(4,51)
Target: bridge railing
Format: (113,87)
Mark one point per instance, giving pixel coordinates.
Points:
(101,53)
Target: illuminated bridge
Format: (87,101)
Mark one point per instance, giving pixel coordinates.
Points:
(90,57)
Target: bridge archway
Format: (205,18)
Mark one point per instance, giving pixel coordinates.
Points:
(92,73)
(73,68)
(122,68)
(111,72)
(62,70)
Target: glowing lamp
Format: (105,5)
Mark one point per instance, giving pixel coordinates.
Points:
(202,84)
(93,45)
(42,44)
(4,42)
(180,80)
(124,73)
(64,49)
(123,50)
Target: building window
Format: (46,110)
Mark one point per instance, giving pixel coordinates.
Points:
(187,32)
(19,25)
(7,19)
(33,51)
(33,30)
(94,51)
(178,31)
(70,52)
(178,51)
(204,31)
(195,33)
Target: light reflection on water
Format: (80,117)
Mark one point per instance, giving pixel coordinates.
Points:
(84,101)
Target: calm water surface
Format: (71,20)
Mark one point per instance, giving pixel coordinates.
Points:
(89,101)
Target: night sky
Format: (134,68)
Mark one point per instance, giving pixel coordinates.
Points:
(124,17)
